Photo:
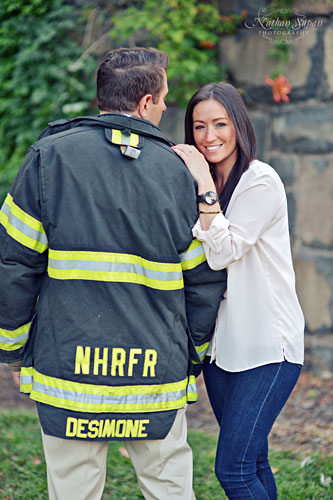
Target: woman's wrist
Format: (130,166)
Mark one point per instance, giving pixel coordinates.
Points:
(15,366)
(206,185)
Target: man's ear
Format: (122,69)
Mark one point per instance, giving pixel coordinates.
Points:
(144,106)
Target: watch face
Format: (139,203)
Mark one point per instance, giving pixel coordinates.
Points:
(210,198)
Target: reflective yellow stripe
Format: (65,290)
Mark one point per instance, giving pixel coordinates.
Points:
(193,256)
(114,267)
(125,140)
(77,396)
(26,379)
(201,350)
(22,227)
(192,391)
(114,277)
(10,340)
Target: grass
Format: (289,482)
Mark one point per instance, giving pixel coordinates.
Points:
(22,467)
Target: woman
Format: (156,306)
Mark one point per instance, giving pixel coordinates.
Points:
(256,353)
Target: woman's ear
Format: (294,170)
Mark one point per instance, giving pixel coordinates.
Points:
(144,106)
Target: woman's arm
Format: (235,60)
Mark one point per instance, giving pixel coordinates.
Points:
(199,168)
(256,206)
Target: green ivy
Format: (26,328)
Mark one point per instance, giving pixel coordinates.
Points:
(188,30)
(281,51)
(45,74)
(37,46)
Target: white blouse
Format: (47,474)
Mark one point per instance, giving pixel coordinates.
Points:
(260,321)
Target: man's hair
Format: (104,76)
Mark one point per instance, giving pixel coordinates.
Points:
(127,74)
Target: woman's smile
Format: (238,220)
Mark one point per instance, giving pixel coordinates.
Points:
(214,133)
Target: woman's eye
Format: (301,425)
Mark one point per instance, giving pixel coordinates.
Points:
(198,127)
(221,124)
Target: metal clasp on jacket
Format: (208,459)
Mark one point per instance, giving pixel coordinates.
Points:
(130,151)
(126,140)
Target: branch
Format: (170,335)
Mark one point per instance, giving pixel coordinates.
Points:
(78,63)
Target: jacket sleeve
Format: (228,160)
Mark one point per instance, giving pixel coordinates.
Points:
(23,259)
(204,291)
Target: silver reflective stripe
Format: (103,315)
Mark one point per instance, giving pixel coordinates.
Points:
(192,388)
(100,398)
(192,392)
(11,340)
(192,253)
(22,227)
(201,350)
(114,267)
(125,139)
(26,380)
(14,340)
(103,399)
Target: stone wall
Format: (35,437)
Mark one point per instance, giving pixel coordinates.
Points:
(296,139)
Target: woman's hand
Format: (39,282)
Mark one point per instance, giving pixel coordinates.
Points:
(16,378)
(195,162)
(199,168)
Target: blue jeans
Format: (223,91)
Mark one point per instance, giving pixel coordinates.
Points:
(246,405)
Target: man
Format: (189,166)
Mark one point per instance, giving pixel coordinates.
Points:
(103,292)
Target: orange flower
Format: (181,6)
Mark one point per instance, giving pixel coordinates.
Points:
(206,44)
(281,87)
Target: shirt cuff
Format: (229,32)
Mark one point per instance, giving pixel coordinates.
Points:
(216,232)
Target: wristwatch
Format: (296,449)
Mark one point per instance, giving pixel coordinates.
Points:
(210,198)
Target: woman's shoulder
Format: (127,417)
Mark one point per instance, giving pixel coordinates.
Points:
(259,171)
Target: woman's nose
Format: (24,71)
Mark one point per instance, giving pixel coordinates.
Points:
(210,134)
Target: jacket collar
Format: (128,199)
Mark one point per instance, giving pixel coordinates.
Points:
(108,120)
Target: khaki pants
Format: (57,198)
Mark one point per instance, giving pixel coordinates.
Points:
(76,469)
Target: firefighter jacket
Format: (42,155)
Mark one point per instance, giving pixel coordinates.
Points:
(104,294)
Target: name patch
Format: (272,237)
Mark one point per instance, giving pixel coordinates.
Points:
(115,361)
(108,428)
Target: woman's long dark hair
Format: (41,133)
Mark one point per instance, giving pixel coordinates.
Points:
(231,100)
